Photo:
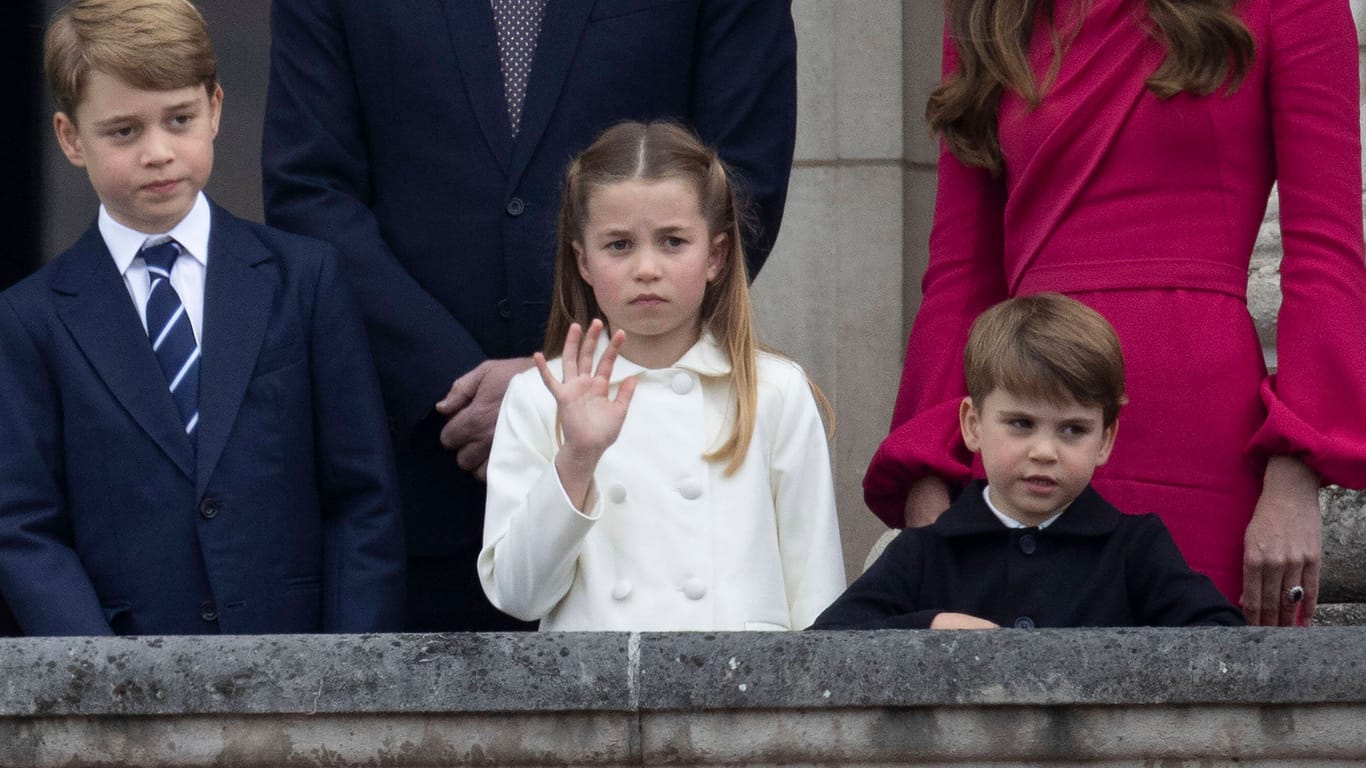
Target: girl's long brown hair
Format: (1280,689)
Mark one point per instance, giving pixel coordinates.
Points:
(655,152)
(1208,47)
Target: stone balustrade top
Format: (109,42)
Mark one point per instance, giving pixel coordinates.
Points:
(617,672)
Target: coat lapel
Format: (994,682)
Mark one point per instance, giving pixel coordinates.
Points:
(94,305)
(561,30)
(470,24)
(237,304)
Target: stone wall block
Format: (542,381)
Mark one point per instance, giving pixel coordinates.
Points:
(868,79)
(816,108)
(1344,545)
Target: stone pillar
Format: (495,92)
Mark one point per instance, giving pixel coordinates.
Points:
(832,294)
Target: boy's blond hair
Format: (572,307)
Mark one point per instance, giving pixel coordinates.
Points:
(157,45)
(1046,346)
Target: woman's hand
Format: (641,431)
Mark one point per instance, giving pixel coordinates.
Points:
(589,417)
(1282,546)
(961,621)
(928,499)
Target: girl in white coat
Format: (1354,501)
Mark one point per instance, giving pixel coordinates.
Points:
(660,472)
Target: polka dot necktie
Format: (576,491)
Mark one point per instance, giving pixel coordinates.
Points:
(168,328)
(518,24)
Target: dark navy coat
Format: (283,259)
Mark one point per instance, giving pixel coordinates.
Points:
(1092,567)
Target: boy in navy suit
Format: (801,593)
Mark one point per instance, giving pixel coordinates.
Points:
(1035,545)
(193,436)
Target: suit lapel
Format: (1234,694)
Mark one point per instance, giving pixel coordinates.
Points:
(94,305)
(470,23)
(561,29)
(237,303)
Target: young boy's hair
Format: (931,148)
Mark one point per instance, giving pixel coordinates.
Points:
(1046,346)
(659,151)
(156,45)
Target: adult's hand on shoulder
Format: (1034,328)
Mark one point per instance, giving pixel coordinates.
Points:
(949,620)
(928,499)
(472,410)
(1283,546)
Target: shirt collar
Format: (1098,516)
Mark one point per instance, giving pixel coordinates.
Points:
(1009,521)
(1088,515)
(704,358)
(192,232)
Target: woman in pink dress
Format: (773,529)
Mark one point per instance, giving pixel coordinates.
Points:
(1123,155)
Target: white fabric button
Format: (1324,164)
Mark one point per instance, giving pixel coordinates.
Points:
(621,590)
(682,383)
(694,588)
(616,493)
(690,489)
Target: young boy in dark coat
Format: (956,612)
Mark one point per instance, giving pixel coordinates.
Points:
(1034,545)
(193,440)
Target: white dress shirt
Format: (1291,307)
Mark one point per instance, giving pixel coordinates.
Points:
(670,542)
(188,272)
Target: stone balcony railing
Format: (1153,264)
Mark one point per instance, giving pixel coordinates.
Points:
(1210,698)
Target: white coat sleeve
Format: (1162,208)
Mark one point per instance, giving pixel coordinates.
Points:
(532,532)
(804,500)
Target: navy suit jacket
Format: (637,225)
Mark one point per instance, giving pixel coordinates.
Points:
(283,518)
(387,134)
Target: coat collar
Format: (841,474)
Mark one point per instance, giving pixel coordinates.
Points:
(705,358)
(1089,515)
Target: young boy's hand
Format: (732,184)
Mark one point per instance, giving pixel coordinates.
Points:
(961,621)
(589,417)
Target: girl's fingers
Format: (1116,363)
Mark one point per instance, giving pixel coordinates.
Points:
(570,356)
(589,347)
(549,380)
(609,358)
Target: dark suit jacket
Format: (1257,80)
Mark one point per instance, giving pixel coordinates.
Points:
(283,518)
(1093,567)
(387,134)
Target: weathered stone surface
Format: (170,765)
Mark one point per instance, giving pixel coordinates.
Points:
(1008,698)
(309,674)
(1340,615)
(1034,667)
(1344,545)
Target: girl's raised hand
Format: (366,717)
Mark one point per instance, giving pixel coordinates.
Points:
(590,418)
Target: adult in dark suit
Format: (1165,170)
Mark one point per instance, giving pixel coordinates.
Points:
(390,132)
(279,517)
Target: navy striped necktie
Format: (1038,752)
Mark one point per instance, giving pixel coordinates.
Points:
(168,328)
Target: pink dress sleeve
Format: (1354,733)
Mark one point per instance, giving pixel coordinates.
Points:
(966,275)
(1316,402)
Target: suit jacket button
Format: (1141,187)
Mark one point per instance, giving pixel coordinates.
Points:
(1028,544)
(209,508)
(516,207)
(621,590)
(694,588)
(504,309)
(1024,622)
(207,611)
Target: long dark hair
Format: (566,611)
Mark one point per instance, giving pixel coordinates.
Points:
(1208,47)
